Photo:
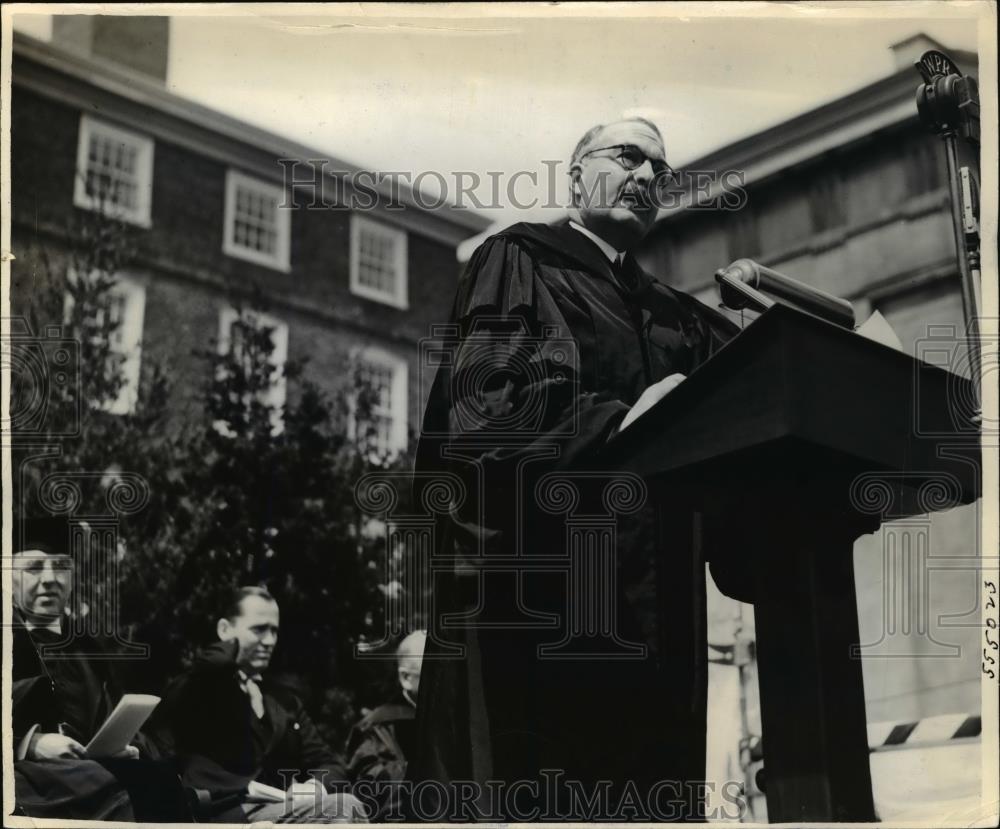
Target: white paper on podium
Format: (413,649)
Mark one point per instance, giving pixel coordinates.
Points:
(122,725)
(877,328)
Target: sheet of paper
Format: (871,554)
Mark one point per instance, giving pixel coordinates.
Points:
(877,328)
(263,793)
(122,725)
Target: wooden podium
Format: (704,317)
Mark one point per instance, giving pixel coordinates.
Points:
(787,443)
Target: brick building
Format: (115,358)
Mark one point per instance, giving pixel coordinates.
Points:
(200,192)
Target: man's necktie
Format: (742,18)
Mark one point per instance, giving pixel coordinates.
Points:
(252,689)
(624,274)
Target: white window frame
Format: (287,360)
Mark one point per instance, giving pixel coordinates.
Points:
(399,395)
(283,223)
(141,213)
(128,340)
(277,394)
(400,297)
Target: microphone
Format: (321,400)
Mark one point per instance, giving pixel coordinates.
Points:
(741,285)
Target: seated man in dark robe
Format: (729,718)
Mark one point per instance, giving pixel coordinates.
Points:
(559,340)
(232,729)
(64,685)
(379,745)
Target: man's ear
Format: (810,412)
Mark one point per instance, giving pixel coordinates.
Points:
(574,185)
(224,630)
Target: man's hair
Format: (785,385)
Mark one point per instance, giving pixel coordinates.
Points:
(589,135)
(412,645)
(234,607)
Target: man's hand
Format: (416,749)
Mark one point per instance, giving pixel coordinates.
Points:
(650,397)
(129,753)
(56,747)
(344,808)
(337,807)
(310,788)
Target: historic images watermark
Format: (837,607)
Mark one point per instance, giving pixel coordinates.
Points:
(478,369)
(928,596)
(317,184)
(92,555)
(46,403)
(44,374)
(553,797)
(505,385)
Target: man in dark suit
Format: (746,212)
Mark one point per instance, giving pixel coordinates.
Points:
(64,685)
(232,730)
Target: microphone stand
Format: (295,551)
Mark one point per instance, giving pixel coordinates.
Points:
(948,104)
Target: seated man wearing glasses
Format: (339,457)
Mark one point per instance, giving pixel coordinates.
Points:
(510,405)
(64,684)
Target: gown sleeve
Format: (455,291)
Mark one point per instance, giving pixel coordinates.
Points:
(515,376)
(507,399)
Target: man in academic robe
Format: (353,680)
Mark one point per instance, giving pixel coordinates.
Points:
(231,728)
(64,684)
(380,744)
(559,341)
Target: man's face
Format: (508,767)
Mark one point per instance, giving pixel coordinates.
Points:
(409,674)
(42,585)
(618,204)
(256,629)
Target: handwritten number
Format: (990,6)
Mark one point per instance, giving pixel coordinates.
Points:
(991,625)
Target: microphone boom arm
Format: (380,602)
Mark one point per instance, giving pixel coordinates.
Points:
(743,283)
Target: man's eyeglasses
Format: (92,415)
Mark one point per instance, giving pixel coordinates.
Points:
(630,157)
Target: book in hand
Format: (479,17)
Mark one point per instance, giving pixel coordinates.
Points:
(122,725)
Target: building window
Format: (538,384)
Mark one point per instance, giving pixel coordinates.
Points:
(257,227)
(922,165)
(121,314)
(114,172)
(378,402)
(234,326)
(742,235)
(378,262)
(827,201)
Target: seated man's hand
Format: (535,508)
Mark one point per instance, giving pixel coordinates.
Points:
(650,397)
(55,747)
(129,753)
(336,807)
(310,788)
(344,808)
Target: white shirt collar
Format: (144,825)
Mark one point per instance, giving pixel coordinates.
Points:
(53,626)
(606,249)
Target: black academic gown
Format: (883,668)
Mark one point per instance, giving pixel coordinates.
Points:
(506,410)
(75,686)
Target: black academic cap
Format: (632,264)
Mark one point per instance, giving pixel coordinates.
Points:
(49,534)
